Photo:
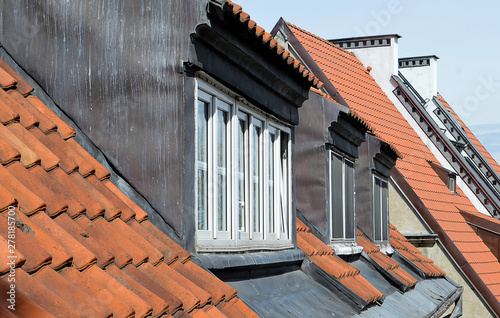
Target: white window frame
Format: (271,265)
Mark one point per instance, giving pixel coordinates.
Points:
(237,238)
(343,159)
(384,226)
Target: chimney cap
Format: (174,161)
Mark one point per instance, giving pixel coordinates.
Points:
(418,58)
(370,37)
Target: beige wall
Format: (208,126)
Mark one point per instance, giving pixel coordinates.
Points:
(403,217)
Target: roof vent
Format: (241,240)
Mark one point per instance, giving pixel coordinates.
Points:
(369,69)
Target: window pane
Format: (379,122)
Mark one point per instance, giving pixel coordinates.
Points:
(242,154)
(337,198)
(284,177)
(272,139)
(377,209)
(221,118)
(202,164)
(256,179)
(349,200)
(385,211)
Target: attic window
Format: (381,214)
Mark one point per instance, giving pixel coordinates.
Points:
(380,210)
(452,183)
(342,224)
(242,174)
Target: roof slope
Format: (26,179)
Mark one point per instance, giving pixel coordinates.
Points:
(83,248)
(362,94)
(471,136)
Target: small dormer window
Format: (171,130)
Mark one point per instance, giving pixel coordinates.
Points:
(380,210)
(452,183)
(342,217)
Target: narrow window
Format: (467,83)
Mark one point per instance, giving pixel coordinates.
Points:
(202,164)
(452,183)
(380,210)
(342,197)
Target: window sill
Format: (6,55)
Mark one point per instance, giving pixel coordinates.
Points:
(221,261)
(385,247)
(244,248)
(344,248)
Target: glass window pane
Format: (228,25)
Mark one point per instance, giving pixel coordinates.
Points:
(349,200)
(385,211)
(241,175)
(221,122)
(202,164)
(377,209)
(337,198)
(271,163)
(256,179)
(284,176)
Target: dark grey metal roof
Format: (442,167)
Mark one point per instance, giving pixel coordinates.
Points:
(292,294)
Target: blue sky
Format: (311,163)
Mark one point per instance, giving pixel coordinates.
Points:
(463,34)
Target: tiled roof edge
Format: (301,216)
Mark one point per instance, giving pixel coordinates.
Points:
(267,39)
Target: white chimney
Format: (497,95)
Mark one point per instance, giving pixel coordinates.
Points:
(421,72)
(379,52)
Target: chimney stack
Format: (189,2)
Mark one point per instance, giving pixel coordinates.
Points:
(421,72)
(379,52)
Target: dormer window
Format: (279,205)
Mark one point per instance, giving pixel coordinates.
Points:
(452,182)
(380,210)
(342,224)
(242,174)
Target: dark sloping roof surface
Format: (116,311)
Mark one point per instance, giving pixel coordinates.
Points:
(362,94)
(83,248)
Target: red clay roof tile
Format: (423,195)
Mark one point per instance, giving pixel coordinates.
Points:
(63,129)
(25,117)
(12,257)
(82,257)
(100,172)
(217,289)
(7,114)
(119,290)
(111,211)
(6,81)
(75,208)
(126,212)
(159,305)
(115,304)
(84,167)
(6,199)
(93,209)
(140,214)
(175,249)
(22,86)
(25,307)
(44,123)
(24,243)
(8,153)
(81,301)
(29,203)
(28,157)
(100,234)
(65,162)
(104,258)
(53,204)
(160,290)
(37,292)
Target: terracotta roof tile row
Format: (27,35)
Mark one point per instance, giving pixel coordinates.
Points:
(413,254)
(267,39)
(364,96)
(384,261)
(324,257)
(83,248)
(471,136)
